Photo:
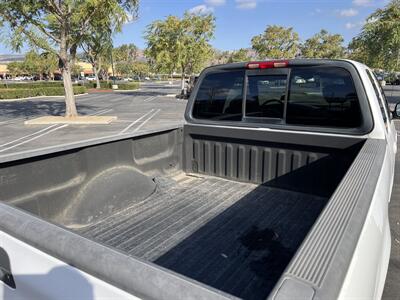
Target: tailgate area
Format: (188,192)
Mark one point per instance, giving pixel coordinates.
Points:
(236,237)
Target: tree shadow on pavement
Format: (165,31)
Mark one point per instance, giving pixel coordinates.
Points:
(148,93)
(39,108)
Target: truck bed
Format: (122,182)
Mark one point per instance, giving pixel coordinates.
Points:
(227,212)
(236,237)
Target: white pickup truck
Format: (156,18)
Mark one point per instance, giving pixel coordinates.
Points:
(277,186)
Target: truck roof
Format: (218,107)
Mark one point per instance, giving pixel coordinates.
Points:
(290,62)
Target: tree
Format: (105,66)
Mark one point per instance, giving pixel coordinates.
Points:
(358,51)
(59,26)
(124,69)
(39,64)
(125,53)
(220,57)
(15,68)
(323,45)
(124,57)
(180,43)
(97,47)
(50,64)
(276,42)
(380,38)
(140,69)
(239,56)
(76,70)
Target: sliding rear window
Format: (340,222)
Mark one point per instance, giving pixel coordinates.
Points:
(323,96)
(220,97)
(266,96)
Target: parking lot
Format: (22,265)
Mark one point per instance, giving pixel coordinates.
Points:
(153,106)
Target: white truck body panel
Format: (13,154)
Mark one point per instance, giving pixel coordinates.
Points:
(39,276)
(366,275)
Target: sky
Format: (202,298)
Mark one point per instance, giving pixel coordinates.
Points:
(237,21)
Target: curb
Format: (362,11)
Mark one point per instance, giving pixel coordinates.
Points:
(36,97)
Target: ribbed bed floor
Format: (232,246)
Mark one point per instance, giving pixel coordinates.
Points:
(236,237)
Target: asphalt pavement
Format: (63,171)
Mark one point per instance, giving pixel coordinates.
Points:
(153,106)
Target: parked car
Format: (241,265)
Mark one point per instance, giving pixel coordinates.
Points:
(58,77)
(273,188)
(117,78)
(91,78)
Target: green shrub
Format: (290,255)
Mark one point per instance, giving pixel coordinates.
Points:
(108,85)
(79,90)
(128,86)
(44,91)
(32,85)
(103,84)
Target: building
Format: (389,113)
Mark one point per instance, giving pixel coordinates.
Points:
(5,59)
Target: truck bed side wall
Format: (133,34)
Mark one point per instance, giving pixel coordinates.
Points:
(53,186)
(290,161)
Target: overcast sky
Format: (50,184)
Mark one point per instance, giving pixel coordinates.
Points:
(237,21)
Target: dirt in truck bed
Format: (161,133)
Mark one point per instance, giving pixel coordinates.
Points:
(236,237)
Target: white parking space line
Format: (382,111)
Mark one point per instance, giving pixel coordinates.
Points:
(42,132)
(135,122)
(150,99)
(148,119)
(29,135)
(33,138)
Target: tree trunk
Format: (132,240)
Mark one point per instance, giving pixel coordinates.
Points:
(70,106)
(183,83)
(64,64)
(96,73)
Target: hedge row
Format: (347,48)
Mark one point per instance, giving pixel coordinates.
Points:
(45,91)
(103,84)
(32,85)
(57,84)
(108,85)
(128,86)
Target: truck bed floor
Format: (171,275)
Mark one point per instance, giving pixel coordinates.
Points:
(236,237)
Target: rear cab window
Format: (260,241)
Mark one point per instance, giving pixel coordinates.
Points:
(220,97)
(322,96)
(265,97)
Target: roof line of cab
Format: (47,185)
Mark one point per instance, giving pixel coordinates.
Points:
(290,62)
